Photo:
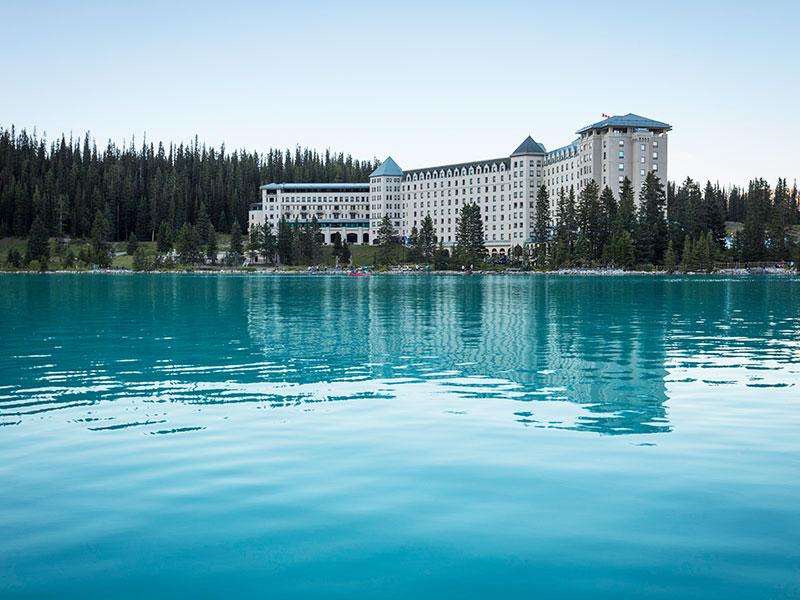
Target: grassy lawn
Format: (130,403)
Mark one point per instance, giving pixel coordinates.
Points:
(7,243)
(123,261)
(363,255)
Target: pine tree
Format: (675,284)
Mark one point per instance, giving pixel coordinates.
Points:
(778,217)
(337,244)
(566,230)
(140,262)
(344,254)
(415,253)
(202,223)
(236,248)
(670,261)
(469,234)
(588,222)
(188,245)
(607,216)
(387,240)
(623,228)
(211,244)
(38,244)
(164,238)
(267,242)
(14,258)
(541,226)
(254,242)
(284,241)
(297,244)
(441,258)
(651,240)
(315,241)
(133,245)
(757,209)
(713,215)
(686,255)
(623,252)
(625,219)
(101,249)
(427,239)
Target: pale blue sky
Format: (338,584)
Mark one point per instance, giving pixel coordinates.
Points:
(428,83)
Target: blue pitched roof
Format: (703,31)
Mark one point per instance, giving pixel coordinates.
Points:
(388,167)
(529,146)
(629,120)
(573,146)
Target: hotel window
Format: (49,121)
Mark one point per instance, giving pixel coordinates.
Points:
(655,155)
(641,172)
(621,179)
(622,154)
(622,142)
(643,160)
(655,167)
(655,143)
(621,167)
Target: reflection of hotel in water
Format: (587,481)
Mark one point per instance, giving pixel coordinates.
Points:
(501,328)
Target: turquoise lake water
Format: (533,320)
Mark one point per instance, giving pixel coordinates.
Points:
(168,436)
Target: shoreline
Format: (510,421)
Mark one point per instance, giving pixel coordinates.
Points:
(395,272)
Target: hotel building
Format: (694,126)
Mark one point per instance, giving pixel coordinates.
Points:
(504,188)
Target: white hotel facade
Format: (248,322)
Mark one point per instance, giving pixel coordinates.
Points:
(504,188)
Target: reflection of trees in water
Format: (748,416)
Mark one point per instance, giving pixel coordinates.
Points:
(599,342)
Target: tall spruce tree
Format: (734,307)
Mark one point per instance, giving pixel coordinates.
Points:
(589,222)
(297,253)
(38,247)
(315,241)
(387,240)
(541,227)
(211,244)
(566,230)
(101,249)
(651,242)
(268,242)
(607,215)
(469,234)
(415,253)
(713,215)
(236,247)
(133,245)
(284,241)
(164,238)
(254,242)
(427,239)
(757,210)
(188,245)
(777,223)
